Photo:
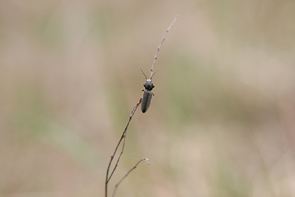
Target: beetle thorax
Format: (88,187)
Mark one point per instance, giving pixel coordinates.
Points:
(149,84)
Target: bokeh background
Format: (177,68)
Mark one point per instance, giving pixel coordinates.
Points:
(221,123)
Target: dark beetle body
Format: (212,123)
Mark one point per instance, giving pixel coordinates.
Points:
(147,95)
(146,100)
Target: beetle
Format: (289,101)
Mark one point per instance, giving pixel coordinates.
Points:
(147,93)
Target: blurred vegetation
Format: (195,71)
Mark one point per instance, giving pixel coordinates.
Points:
(221,122)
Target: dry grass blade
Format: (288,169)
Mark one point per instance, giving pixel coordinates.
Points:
(147,160)
(123,136)
(158,49)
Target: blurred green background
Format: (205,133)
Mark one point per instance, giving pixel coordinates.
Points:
(221,123)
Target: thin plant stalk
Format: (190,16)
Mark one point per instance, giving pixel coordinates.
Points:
(123,136)
(158,49)
(117,185)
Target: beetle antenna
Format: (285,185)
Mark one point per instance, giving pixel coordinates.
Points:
(154,74)
(143,73)
(156,55)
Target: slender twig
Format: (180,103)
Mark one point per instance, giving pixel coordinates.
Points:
(108,178)
(158,49)
(123,136)
(147,160)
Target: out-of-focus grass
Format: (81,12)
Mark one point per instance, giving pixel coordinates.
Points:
(221,122)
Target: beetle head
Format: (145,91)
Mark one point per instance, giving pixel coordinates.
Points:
(149,85)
